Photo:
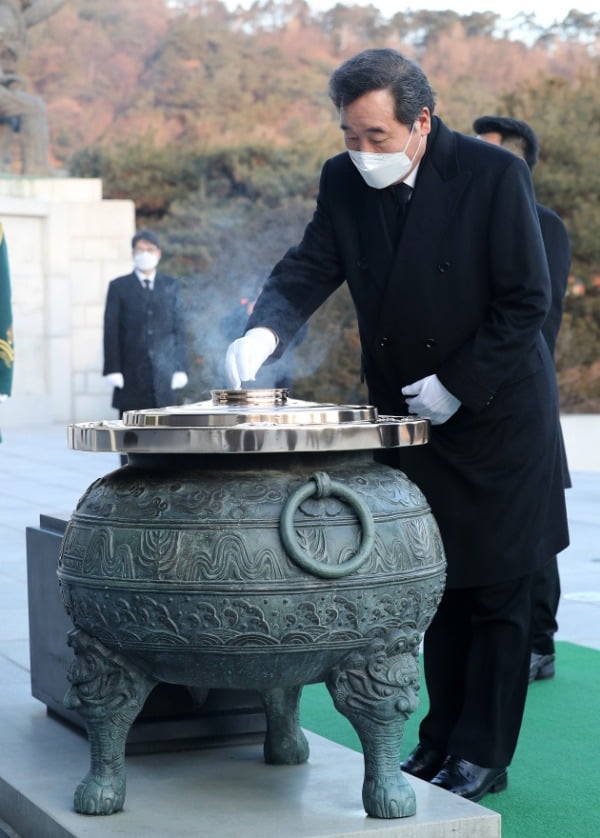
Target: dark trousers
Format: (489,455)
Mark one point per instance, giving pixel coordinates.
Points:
(546,595)
(476,658)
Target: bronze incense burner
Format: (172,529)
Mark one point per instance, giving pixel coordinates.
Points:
(251,542)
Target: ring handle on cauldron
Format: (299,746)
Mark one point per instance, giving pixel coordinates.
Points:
(321,485)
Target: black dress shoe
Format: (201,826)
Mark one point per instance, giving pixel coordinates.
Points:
(423,762)
(469,780)
(541,667)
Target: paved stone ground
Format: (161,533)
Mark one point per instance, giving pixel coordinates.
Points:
(40,475)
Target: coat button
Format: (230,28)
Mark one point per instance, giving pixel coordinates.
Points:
(429,343)
(384,342)
(362,264)
(443,267)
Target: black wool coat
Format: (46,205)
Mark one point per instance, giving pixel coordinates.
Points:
(144,338)
(558,253)
(462,292)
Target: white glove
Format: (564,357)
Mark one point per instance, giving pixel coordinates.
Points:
(3,397)
(430,399)
(179,380)
(116,379)
(245,356)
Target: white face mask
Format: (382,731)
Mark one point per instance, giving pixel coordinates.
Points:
(382,170)
(145,260)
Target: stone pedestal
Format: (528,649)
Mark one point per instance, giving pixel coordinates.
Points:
(224,792)
(65,243)
(171,718)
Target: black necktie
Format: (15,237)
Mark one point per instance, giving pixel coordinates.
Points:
(147,284)
(402,194)
(395,203)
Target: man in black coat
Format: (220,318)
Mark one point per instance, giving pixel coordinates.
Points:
(519,137)
(438,238)
(145,355)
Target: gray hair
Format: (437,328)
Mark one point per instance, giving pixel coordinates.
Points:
(383,69)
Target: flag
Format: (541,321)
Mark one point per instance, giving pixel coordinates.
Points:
(7,347)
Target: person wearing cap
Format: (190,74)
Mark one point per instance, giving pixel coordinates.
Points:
(517,136)
(145,356)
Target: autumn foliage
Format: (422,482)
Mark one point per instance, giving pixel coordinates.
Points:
(216,123)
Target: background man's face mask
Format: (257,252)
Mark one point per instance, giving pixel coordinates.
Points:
(145,260)
(382,170)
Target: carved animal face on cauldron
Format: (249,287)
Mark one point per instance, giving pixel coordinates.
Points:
(381,680)
(100,680)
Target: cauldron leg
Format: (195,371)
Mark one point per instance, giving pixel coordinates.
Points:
(285,744)
(109,692)
(376,689)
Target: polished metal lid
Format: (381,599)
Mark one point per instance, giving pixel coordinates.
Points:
(249,421)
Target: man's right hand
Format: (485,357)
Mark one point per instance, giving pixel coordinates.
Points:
(116,379)
(246,355)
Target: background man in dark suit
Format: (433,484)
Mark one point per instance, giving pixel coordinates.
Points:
(520,138)
(145,354)
(450,283)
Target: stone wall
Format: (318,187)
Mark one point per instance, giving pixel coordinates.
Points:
(65,243)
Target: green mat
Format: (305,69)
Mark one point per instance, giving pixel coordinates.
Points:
(554,781)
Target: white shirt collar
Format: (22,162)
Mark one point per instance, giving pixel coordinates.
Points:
(142,277)
(410,179)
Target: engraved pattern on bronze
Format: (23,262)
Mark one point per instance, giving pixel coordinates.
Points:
(179,574)
(377,689)
(132,619)
(109,692)
(190,555)
(201,496)
(230,558)
(327,529)
(128,498)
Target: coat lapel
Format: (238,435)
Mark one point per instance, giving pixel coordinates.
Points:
(377,243)
(433,205)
